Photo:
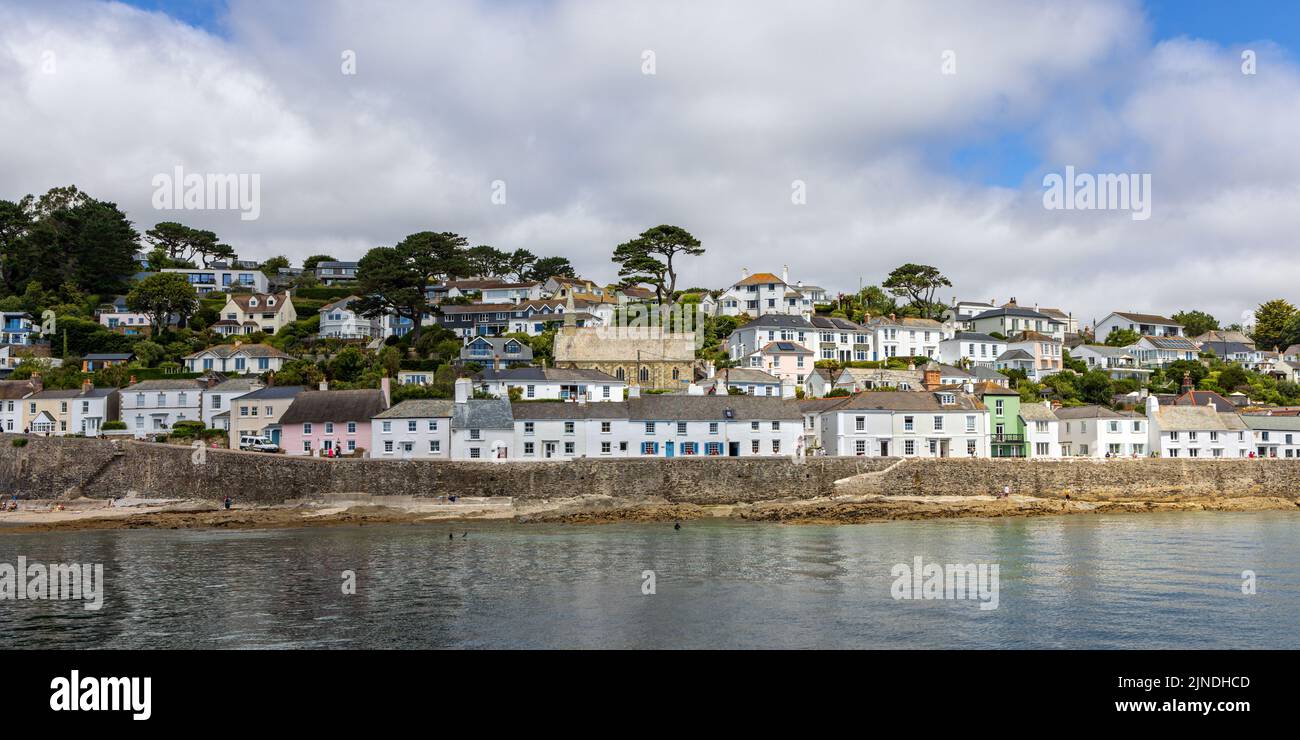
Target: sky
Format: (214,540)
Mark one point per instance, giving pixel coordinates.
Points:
(839,138)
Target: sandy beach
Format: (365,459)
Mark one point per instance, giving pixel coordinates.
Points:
(340,510)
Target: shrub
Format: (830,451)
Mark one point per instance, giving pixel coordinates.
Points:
(20,442)
(186,429)
(112,425)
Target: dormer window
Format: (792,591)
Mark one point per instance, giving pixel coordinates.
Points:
(947,399)
(270,301)
(252,302)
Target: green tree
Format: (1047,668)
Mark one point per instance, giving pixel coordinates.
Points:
(161,295)
(148,353)
(1232,377)
(518,263)
(1196,323)
(1122,338)
(311,262)
(649,258)
(1096,386)
(394,279)
(65,236)
(919,283)
(347,366)
(487,261)
(271,267)
(548,267)
(180,242)
(1271,320)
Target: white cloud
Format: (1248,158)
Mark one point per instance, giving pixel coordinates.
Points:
(549,97)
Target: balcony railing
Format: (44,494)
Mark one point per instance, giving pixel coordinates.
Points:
(1007,439)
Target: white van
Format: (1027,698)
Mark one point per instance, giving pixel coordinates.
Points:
(257,443)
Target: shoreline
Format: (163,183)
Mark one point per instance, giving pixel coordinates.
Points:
(361,510)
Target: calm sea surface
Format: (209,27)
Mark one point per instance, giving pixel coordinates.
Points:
(1111,581)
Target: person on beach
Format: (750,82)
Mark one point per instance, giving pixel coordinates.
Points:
(227,502)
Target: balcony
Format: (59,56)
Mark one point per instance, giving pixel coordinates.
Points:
(1007,439)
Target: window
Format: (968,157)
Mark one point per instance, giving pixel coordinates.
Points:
(909,447)
(568,448)
(776,447)
(352,427)
(386,427)
(753,426)
(388,445)
(860,447)
(475,453)
(306,446)
(938,423)
(306,429)
(649,427)
(475,434)
(970,448)
(604,448)
(529,427)
(649,448)
(681,427)
(433,425)
(434,445)
(529,447)
(713,448)
(970,424)
(776,426)
(605,428)
(754,446)
(999,405)
(216,401)
(860,423)
(243,411)
(530,391)
(568,427)
(907,424)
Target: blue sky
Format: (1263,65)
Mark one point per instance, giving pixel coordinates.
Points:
(551,98)
(1003,157)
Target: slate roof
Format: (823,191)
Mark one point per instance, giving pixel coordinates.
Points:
(556,374)
(125,356)
(781,321)
(785,348)
(1036,412)
(909,401)
(1015,311)
(1014,354)
(1147,318)
(1223,349)
(229,350)
(746,375)
(276,391)
(483,414)
(835,322)
(1106,350)
(242,300)
(550,410)
(1272,423)
(10,389)
(354,405)
(1204,398)
(665,407)
(1069,413)
(975,336)
(419,408)
(1193,419)
(166,385)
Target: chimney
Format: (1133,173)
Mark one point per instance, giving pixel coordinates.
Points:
(933,378)
(386,386)
(1153,406)
(132,382)
(785,273)
(87,385)
(324,385)
(463,390)
(270,379)
(1187,382)
(1012,302)
(968,388)
(744,273)
(634,391)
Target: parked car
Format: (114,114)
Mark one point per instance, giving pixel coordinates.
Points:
(257,443)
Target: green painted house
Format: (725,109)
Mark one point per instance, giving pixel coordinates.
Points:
(1006,428)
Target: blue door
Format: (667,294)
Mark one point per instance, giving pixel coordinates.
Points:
(275,436)
(668,449)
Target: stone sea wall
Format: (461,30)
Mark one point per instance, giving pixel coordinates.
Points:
(52,467)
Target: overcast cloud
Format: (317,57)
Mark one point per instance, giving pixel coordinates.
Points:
(550,98)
